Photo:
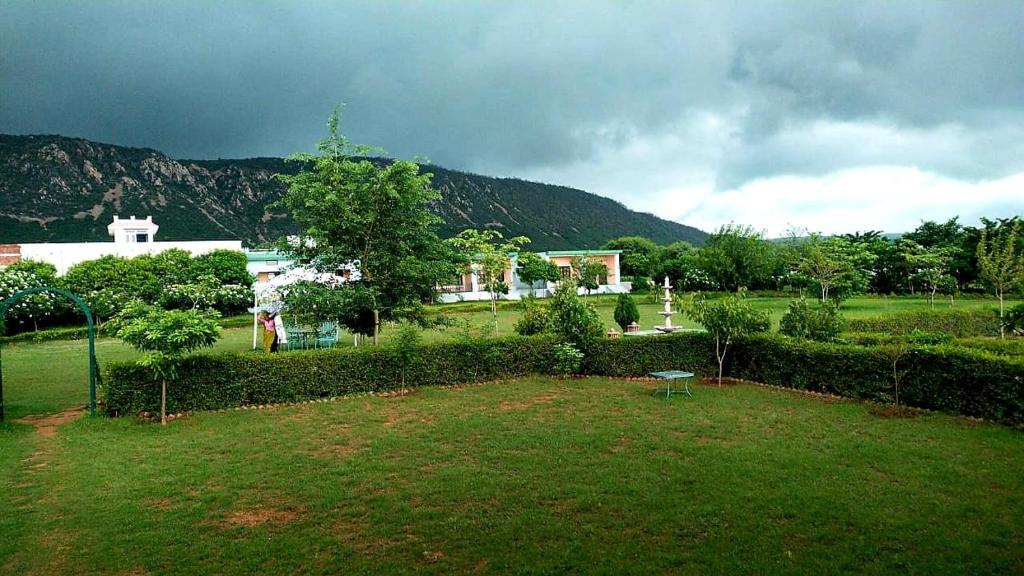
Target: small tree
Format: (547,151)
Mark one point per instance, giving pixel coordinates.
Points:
(572,319)
(532,269)
(485,253)
(726,318)
(999,265)
(166,337)
(406,344)
(588,272)
(929,267)
(895,353)
(626,311)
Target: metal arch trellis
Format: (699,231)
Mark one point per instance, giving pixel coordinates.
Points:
(90,327)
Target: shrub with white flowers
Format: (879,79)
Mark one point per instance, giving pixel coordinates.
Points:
(31,309)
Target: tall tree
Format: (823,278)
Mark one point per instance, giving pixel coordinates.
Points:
(838,268)
(374,214)
(489,255)
(999,263)
(639,255)
(737,257)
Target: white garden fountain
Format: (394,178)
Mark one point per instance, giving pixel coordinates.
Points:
(667,328)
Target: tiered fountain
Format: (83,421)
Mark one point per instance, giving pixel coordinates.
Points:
(667,328)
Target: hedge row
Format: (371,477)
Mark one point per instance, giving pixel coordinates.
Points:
(956,323)
(213,381)
(947,378)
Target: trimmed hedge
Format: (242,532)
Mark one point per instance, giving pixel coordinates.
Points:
(224,380)
(956,323)
(947,378)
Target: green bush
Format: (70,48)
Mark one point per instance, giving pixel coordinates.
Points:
(1007,347)
(224,380)
(626,311)
(535,318)
(956,323)
(821,322)
(568,359)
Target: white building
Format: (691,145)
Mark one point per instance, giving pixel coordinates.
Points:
(469,287)
(132,237)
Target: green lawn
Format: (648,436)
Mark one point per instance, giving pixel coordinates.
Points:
(529,476)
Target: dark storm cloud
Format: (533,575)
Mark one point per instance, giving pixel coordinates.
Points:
(533,87)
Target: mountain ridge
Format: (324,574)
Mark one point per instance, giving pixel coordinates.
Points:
(62,189)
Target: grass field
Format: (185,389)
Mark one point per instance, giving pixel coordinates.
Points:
(52,376)
(529,476)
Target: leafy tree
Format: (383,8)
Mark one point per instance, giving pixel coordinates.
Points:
(374,214)
(958,242)
(572,319)
(166,337)
(227,266)
(588,272)
(488,255)
(169,267)
(736,257)
(638,257)
(532,269)
(836,267)
(930,267)
(999,264)
(822,322)
(107,284)
(626,311)
(726,318)
(313,304)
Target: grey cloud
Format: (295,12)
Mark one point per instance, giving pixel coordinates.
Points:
(511,88)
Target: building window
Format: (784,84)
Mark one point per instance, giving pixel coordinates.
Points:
(142,237)
(566,272)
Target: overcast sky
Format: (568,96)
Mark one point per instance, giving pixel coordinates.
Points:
(832,116)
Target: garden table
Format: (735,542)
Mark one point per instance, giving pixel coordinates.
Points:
(670,376)
(305,333)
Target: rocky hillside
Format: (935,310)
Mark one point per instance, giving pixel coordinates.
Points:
(61,189)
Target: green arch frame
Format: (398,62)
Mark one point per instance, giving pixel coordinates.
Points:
(90,327)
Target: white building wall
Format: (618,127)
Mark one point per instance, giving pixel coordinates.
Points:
(65,255)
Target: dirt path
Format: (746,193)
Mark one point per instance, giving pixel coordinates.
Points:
(46,424)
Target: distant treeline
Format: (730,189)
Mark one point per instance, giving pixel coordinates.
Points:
(935,258)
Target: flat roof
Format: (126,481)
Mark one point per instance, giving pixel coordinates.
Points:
(581,252)
(264,255)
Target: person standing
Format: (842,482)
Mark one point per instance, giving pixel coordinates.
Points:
(282,334)
(269,332)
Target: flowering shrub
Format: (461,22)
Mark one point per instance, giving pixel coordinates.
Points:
(31,309)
